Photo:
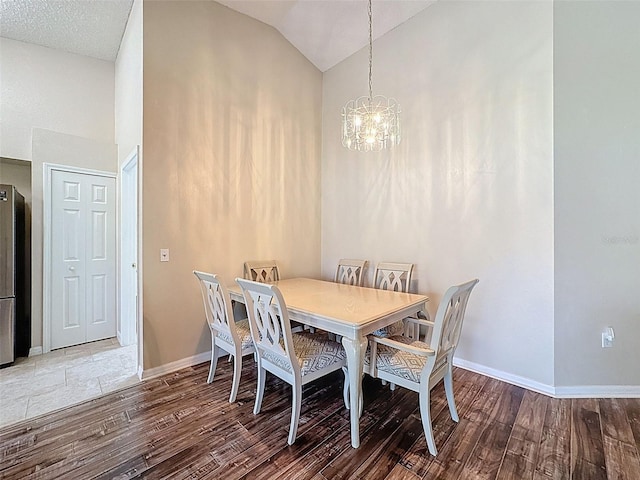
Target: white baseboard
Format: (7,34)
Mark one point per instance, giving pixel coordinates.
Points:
(578,391)
(598,391)
(33,351)
(173,366)
(506,377)
(587,391)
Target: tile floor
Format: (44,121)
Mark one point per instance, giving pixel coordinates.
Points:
(43,383)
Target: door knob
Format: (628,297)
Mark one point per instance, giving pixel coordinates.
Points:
(72,269)
(133,265)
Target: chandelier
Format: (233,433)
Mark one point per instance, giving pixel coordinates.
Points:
(370,123)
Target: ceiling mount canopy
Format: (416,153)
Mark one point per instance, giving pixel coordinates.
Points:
(371,123)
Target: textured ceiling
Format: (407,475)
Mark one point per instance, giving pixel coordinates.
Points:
(325,31)
(87,27)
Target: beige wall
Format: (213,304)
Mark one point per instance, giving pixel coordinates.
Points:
(232,128)
(128,86)
(468,192)
(17,173)
(60,149)
(597,199)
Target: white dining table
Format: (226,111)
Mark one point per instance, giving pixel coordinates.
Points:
(346,310)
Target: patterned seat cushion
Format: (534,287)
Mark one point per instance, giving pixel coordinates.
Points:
(244,332)
(397,362)
(314,352)
(390,331)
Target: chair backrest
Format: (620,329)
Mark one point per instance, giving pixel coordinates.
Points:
(217,304)
(351,272)
(270,325)
(262,271)
(449,318)
(393,276)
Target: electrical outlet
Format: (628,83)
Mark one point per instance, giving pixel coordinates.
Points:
(607,337)
(164,254)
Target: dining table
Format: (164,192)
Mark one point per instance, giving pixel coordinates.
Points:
(349,311)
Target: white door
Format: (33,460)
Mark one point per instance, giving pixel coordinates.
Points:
(83,258)
(129,252)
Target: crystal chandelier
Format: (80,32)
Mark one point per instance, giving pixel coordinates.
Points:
(370,123)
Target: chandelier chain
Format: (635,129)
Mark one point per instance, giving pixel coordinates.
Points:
(370,52)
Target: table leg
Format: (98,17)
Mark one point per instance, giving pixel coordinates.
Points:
(355,349)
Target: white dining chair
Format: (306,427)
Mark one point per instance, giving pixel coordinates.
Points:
(420,366)
(296,358)
(350,272)
(264,271)
(395,277)
(226,334)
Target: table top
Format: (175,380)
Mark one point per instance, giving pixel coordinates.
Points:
(336,302)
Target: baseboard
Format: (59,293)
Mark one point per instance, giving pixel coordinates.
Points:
(598,391)
(506,377)
(174,366)
(576,391)
(33,351)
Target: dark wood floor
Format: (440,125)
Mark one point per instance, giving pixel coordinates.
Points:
(179,427)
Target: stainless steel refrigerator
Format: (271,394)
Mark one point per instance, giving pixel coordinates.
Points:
(14,316)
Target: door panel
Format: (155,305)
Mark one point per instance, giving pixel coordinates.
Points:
(67,257)
(101,260)
(82,258)
(71,303)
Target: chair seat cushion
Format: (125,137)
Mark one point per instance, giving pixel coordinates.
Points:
(314,352)
(397,362)
(390,331)
(244,332)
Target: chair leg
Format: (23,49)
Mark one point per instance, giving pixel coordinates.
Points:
(237,372)
(214,358)
(262,373)
(425,413)
(295,411)
(448,388)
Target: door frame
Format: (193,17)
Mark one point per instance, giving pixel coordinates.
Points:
(128,331)
(48,169)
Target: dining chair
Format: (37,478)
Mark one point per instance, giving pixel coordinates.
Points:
(226,334)
(395,277)
(419,366)
(351,272)
(264,271)
(267,271)
(296,358)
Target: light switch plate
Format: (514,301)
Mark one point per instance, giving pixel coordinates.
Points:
(607,337)
(164,254)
